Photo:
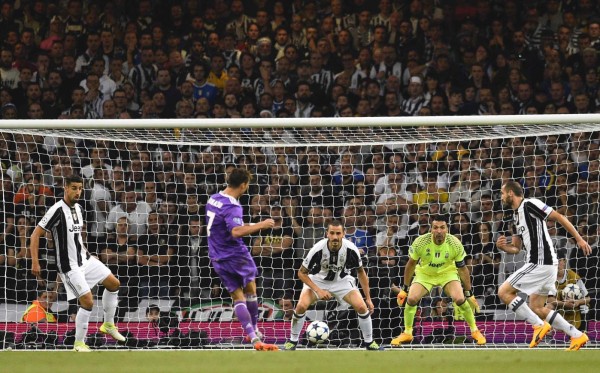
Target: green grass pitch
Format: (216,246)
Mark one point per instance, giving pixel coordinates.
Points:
(421,360)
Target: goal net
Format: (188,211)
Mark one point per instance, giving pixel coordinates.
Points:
(147,183)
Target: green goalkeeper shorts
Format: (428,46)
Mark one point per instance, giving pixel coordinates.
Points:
(429,282)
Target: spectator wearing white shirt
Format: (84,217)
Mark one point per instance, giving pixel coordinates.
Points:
(391,235)
(107,85)
(97,157)
(397,201)
(101,201)
(395,165)
(9,76)
(470,187)
(135,211)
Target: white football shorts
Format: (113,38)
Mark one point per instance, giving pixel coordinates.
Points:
(338,288)
(534,279)
(81,280)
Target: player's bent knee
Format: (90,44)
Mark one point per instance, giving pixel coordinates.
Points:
(361,310)
(112,283)
(86,301)
(300,311)
(503,297)
(115,285)
(460,301)
(412,302)
(505,293)
(301,308)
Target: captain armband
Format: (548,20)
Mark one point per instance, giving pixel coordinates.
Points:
(460,264)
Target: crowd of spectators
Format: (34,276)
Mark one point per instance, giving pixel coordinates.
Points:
(303,58)
(243,59)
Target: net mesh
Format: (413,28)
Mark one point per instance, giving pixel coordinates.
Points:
(314,136)
(384,183)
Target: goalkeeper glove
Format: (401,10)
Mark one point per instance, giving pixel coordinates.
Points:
(472,301)
(401,298)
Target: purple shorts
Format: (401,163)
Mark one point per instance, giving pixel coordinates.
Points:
(235,273)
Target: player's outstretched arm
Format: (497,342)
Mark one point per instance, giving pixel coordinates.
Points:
(363,279)
(583,245)
(34,248)
(465,278)
(513,248)
(244,230)
(303,276)
(409,271)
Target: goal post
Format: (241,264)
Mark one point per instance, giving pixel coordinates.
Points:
(302,122)
(383,178)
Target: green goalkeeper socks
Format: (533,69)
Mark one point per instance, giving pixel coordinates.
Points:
(409,318)
(467,313)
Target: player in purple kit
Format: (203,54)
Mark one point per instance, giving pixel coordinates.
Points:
(229,255)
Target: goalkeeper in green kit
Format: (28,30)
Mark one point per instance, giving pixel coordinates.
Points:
(437,259)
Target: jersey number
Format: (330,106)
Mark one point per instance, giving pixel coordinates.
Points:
(211,219)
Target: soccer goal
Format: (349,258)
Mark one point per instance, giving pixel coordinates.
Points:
(147,183)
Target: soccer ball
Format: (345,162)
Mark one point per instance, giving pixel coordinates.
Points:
(317,332)
(572,291)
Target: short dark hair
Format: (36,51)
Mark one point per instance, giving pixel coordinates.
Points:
(288,295)
(515,187)
(152,307)
(73,179)
(98,59)
(76,107)
(442,217)
(238,177)
(335,223)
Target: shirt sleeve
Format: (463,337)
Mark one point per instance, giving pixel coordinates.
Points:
(51,218)
(353,259)
(415,250)
(307,261)
(234,217)
(457,248)
(538,208)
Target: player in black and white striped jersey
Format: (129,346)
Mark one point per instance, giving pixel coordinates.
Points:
(325,273)
(537,278)
(319,74)
(416,99)
(78,270)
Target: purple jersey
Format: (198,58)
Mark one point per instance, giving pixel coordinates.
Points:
(223,213)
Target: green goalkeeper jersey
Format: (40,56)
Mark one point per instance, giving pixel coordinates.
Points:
(435,260)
